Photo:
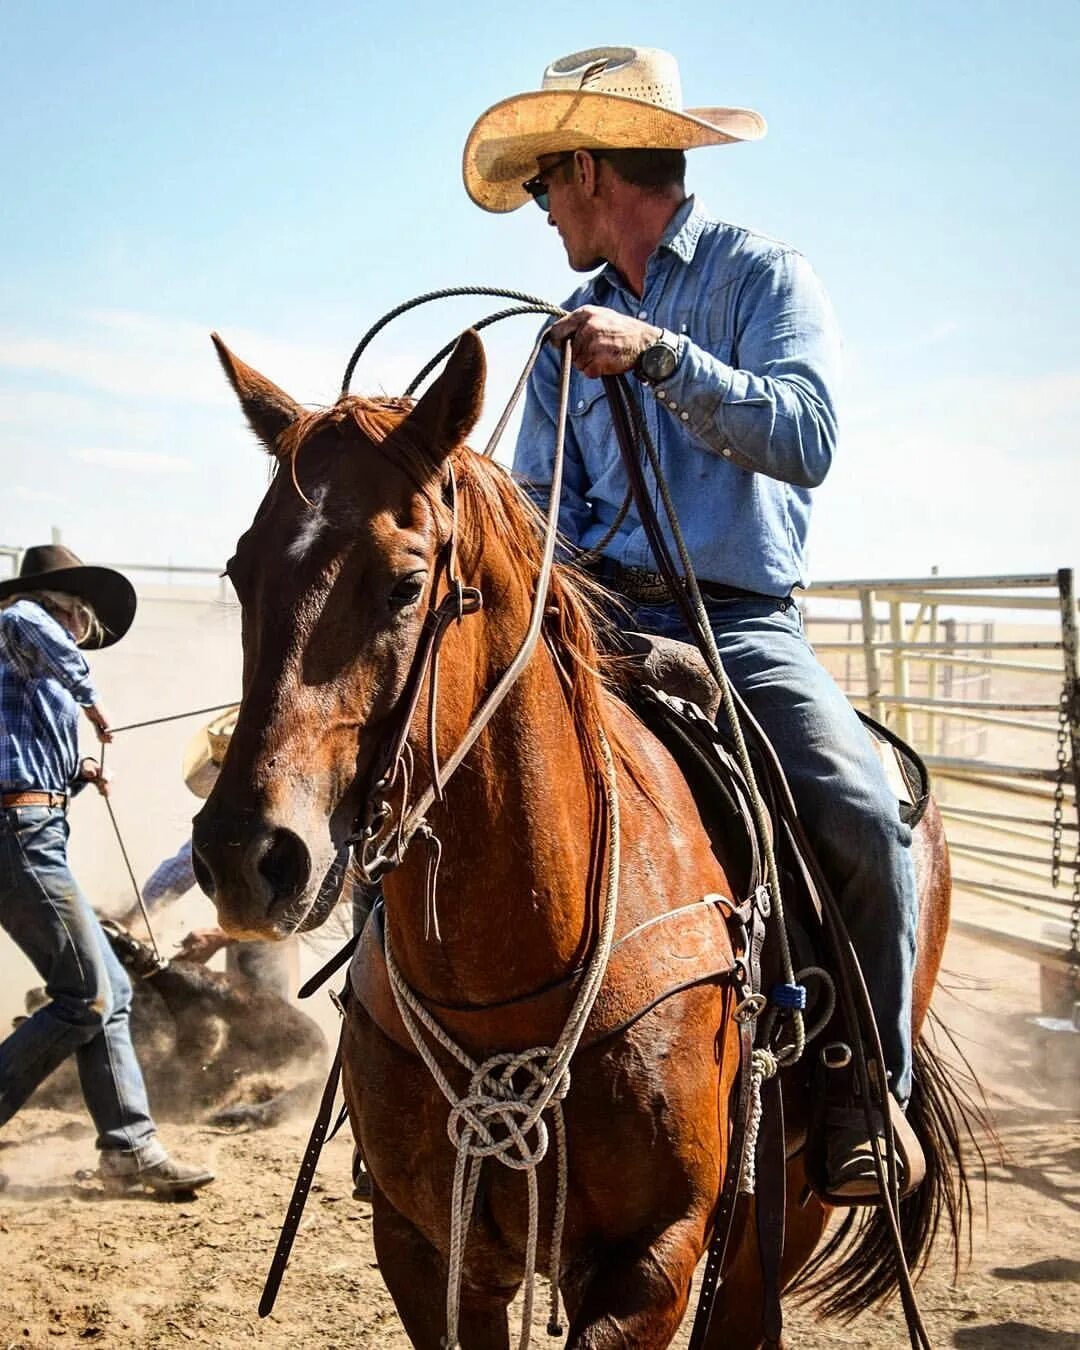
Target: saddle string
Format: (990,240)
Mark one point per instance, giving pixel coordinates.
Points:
(493,1099)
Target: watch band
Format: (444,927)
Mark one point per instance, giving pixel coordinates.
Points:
(660,360)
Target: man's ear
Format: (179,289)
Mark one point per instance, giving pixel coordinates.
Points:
(269,410)
(586,171)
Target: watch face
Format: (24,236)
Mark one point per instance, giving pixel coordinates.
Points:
(658,361)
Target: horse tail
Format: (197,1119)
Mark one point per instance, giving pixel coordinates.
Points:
(856,1268)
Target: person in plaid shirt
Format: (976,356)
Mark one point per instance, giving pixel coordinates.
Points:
(52,609)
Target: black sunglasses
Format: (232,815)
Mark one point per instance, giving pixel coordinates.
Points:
(537,187)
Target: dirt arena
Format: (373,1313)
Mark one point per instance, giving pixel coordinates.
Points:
(77,1268)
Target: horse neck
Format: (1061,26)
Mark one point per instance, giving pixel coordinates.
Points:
(519,870)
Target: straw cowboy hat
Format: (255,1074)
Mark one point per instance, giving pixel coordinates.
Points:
(205,752)
(51,567)
(605,98)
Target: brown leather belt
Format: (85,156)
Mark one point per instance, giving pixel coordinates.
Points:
(31,797)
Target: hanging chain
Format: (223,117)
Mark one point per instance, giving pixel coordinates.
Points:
(1063,737)
(1059,784)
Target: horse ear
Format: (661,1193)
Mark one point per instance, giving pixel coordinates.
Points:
(269,410)
(449,410)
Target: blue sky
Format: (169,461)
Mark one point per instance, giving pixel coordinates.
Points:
(285,173)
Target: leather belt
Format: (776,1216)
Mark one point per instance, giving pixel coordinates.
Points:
(643,587)
(32,797)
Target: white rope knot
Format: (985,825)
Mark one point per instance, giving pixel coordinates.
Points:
(496,1116)
(494,1119)
(763,1065)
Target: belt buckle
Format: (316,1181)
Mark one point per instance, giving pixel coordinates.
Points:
(644,587)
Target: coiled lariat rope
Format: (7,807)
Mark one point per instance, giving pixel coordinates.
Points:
(495,1117)
(493,1100)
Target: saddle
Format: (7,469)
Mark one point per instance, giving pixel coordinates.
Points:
(687,723)
(677,670)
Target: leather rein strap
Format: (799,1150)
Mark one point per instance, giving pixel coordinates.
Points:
(633,437)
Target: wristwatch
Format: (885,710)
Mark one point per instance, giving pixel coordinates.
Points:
(660,361)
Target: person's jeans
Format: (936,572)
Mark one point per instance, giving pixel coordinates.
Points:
(45,913)
(841,793)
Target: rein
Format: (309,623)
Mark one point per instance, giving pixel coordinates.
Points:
(381,842)
(382,839)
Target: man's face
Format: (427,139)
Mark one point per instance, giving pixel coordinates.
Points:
(571,210)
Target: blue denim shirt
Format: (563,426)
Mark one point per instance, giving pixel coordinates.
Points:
(744,428)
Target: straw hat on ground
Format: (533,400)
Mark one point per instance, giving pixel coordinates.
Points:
(206,752)
(605,98)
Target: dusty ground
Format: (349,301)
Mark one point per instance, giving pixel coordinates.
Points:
(77,1268)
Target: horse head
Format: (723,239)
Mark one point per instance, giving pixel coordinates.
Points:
(334,577)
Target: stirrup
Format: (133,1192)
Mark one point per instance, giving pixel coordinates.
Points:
(834,1097)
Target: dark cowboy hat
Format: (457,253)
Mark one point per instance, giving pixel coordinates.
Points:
(51,567)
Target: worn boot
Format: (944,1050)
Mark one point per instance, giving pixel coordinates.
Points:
(850,1148)
(121,1172)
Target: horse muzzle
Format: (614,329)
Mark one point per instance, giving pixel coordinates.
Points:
(257,873)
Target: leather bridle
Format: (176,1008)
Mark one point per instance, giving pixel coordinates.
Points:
(381,837)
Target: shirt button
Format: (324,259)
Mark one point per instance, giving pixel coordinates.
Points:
(643,313)
(580,403)
(726,452)
(672,404)
(685,417)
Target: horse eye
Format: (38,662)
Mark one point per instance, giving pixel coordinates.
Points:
(407,591)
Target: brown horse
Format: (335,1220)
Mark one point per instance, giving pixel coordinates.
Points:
(334,577)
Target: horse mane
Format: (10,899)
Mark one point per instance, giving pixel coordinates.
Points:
(492,508)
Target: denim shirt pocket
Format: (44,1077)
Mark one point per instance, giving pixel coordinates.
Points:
(590,423)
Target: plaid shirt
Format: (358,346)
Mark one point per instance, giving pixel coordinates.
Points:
(170,878)
(43,680)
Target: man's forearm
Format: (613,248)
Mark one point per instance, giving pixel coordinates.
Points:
(784,427)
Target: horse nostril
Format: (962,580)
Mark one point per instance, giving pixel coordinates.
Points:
(284,863)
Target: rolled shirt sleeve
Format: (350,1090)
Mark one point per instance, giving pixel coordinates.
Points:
(771,411)
(36,645)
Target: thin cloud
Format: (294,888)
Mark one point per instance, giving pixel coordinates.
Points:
(135,461)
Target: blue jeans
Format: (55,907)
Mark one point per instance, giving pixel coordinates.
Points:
(45,913)
(841,793)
